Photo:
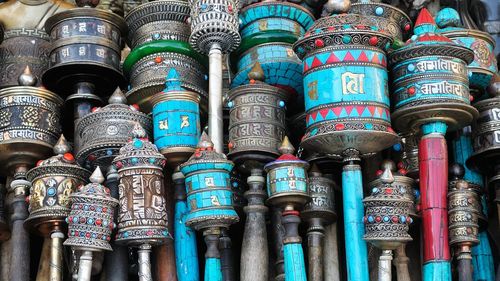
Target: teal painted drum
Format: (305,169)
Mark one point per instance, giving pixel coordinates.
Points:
(208,187)
(346,85)
(430,80)
(484,66)
(176,121)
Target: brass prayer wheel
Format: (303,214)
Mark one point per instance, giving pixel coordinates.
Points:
(142,217)
(52,182)
(387,216)
(29,121)
(100,134)
(321,190)
(86,47)
(257,122)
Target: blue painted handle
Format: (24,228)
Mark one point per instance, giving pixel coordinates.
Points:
(213,270)
(295,268)
(356,253)
(437,271)
(186,253)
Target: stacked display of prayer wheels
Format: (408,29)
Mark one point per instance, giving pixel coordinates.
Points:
(158,36)
(99,135)
(90,222)
(431,94)
(347,107)
(142,216)
(268,30)
(52,182)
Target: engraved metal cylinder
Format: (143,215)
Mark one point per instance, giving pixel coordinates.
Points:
(176,124)
(406,187)
(321,190)
(430,80)
(52,183)
(142,217)
(346,84)
(29,125)
(208,186)
(462,214)
(86,46)
(257,122)
(100,134)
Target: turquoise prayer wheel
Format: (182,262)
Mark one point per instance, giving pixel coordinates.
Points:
(208,187)
(346,84)
(430,81)
(484,66)
(287,179)
(176,120)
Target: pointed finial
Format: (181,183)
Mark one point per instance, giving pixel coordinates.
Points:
(387,176)
(286,147)
(205,141)
(256,73)
(117,97)
(425,23)
(27,78)
(173,83)
(388,164)
(138,131)
(97,176)
(61,146)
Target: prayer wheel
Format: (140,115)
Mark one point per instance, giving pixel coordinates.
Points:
(142,216)
(52,182)
(176,120)
(90,222)
(100,134)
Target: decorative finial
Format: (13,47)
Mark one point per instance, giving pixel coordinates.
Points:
(336,6)
(97,176)
(456,171)
(205,141)
(117,97)
(425,23)
(62,146)
(256,73)
(388,164)
(27,78)
(286,147)
(173,83)
(387,176)
(314,171)
(138,131)
(448,17)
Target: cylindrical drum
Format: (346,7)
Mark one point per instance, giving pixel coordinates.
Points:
(345,84)
(176,121)
(29,125)
(430,82)
(410,154)
(142,216)
(86,46)
(91,218)
(52,182)
(321,190)
(100,134)
(387,216)
(287,179)
(257,122)
(208,186)
(463,213)
(484,65)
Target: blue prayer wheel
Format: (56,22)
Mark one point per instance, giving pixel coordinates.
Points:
(430,81)
(484,66)
(346,84)
(208,187)
(176,121)
(287,179)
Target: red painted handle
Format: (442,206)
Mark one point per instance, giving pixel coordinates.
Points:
(433,157)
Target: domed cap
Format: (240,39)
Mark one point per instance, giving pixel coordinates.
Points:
(205,157)
(139,152)
(173,90)
(287,158)
(426,41)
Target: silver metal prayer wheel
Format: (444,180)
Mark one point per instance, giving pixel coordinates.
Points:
(158,20)
(29,122)
(100,134)
(410,153)
(142,216)
(91,218)
(387,216)
(321,190)
(214,22)
(52,182)
(257,122)
(86,47)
